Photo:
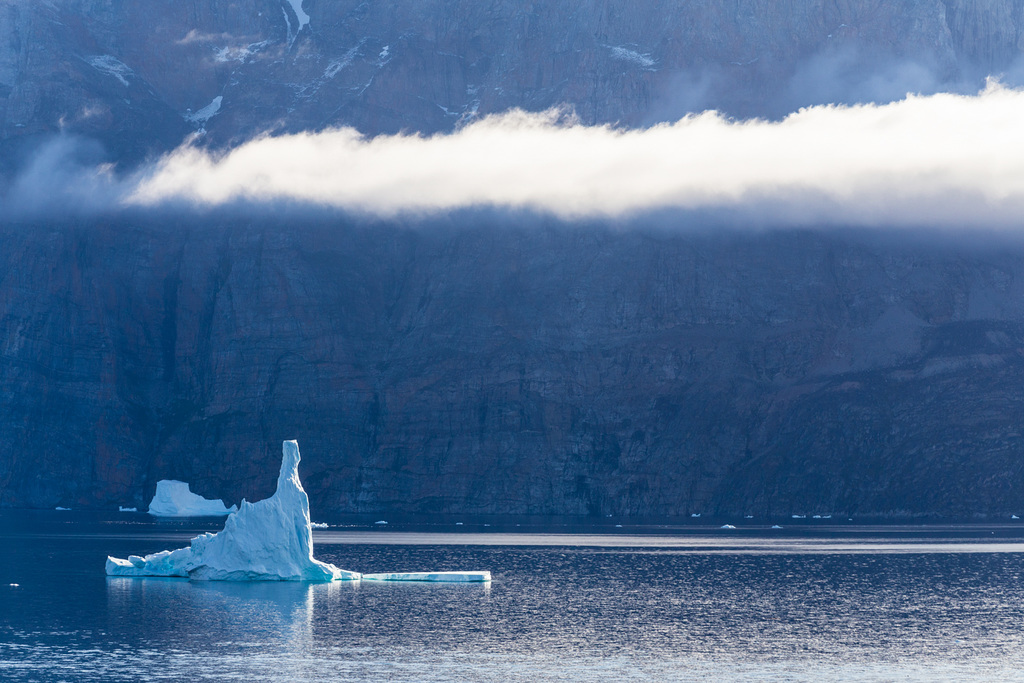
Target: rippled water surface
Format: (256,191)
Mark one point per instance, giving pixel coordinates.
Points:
(704,605)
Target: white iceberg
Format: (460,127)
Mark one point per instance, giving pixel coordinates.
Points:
(728,526)
(175,499)
(436,577)
(266,541)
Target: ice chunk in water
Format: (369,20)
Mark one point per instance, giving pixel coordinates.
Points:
(175,499)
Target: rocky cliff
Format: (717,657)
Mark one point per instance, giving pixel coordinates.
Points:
(495,364)
(140,75)
(487,366)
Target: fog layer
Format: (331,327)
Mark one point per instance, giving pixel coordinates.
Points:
(944,159)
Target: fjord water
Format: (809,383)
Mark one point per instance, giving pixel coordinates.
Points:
(696,604)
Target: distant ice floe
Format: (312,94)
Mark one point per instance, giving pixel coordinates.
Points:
(111,66)
(319,525)
(776,526)
(695,515)
(62,509)
(206,113)
(271,540)
(380,522)
(175,499)
(1014,517)
(121,508)
(728,526)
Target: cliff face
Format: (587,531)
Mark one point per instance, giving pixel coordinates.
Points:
(141,75)
(496,369)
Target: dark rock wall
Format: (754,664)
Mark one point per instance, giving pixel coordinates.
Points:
(496,369)
(128,73)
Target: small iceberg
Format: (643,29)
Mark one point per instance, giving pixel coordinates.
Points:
(728,526)
(62,509)
(266,541)
(776,526)
(271,540)
(695,515)
(1014,517)
(436,577)
(319,525)
(121,508)
(381,523)
(175,499)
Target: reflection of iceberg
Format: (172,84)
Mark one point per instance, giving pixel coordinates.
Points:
(266,541)
(174,499)
(436,577)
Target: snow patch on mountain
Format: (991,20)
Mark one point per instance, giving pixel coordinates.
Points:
(625,54)
(206,113)
(111,66)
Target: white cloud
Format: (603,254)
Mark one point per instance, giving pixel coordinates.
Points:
(944,159)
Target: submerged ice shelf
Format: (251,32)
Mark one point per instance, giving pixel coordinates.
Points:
(436,577)
(271,540)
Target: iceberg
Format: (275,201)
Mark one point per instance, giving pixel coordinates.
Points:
(270,540)
(175,499)
(436,577)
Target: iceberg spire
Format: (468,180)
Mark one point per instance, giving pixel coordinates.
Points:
(270,540)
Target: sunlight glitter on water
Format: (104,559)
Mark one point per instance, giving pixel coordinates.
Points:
(590,607)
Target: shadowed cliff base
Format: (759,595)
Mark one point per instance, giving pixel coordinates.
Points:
(497,363)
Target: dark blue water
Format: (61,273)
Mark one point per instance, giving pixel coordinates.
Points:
(944,605)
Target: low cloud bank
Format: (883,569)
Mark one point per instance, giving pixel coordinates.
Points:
(940,160)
